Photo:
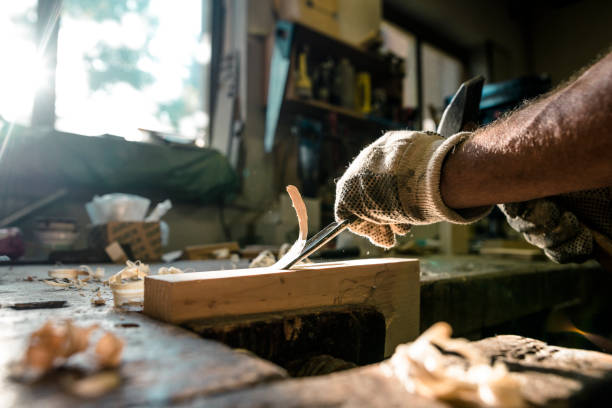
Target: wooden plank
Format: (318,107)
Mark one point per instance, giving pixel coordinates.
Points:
(390,285)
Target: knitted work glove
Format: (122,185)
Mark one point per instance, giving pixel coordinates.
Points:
(395,183)
(564,226)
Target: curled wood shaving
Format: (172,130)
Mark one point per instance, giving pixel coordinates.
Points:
(68,278)
(52,344)
(127,285)
(169,271)
(264,259)
(300,210)
(133,270)
(72,274)
(108,350)
(96,275)
(221,253)
(283,249)
(423,369)
(52,282)
(302,216)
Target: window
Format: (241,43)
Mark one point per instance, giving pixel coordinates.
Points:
(403,44)
(121,65)
(21,70)
(442,75)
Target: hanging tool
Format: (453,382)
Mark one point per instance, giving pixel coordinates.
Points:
(461,113)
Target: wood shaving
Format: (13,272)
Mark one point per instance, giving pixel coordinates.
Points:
(52,344)
(221,253)
(96,275)
(300,210)
(264,259)
(108,350)
(71,274)
(169,271)
(69,278)
(55,283)
(133,270)
(284,249)
(422,368)
(95,385)
(127,285)
(302,216)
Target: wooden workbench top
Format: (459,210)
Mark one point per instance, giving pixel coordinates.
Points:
(164,364)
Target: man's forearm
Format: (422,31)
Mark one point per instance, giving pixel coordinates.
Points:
(559,144)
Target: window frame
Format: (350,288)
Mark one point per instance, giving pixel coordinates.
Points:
(43,109)
(423,34)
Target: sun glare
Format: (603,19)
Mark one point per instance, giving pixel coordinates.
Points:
(21,70)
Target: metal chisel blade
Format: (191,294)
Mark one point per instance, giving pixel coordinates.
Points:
(313,244)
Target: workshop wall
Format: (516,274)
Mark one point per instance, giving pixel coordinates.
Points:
(565,39)
(494,37)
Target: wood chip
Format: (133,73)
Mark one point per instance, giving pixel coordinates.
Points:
(98,300)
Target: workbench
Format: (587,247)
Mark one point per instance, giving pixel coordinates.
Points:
(164,364)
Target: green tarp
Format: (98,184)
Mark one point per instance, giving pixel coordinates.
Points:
(112,164)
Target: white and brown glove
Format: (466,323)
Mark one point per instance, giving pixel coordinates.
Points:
(395,183)
(567,227)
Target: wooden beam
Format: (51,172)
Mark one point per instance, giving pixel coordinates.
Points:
(390,285)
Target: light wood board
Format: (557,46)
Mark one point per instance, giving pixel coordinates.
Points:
(390,285)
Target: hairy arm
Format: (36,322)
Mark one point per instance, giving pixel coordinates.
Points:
(558,144)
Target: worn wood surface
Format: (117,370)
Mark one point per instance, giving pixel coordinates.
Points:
(370,386)
(554,376)
(391,285)
(549,376)
(165,365)
(161,363)
(477,292)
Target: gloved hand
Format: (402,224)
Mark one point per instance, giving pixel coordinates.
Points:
(563,225)
(395,183)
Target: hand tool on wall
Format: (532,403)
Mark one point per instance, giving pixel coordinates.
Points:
(461,113)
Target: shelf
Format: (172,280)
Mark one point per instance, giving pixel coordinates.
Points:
(312,106)
(322,45)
